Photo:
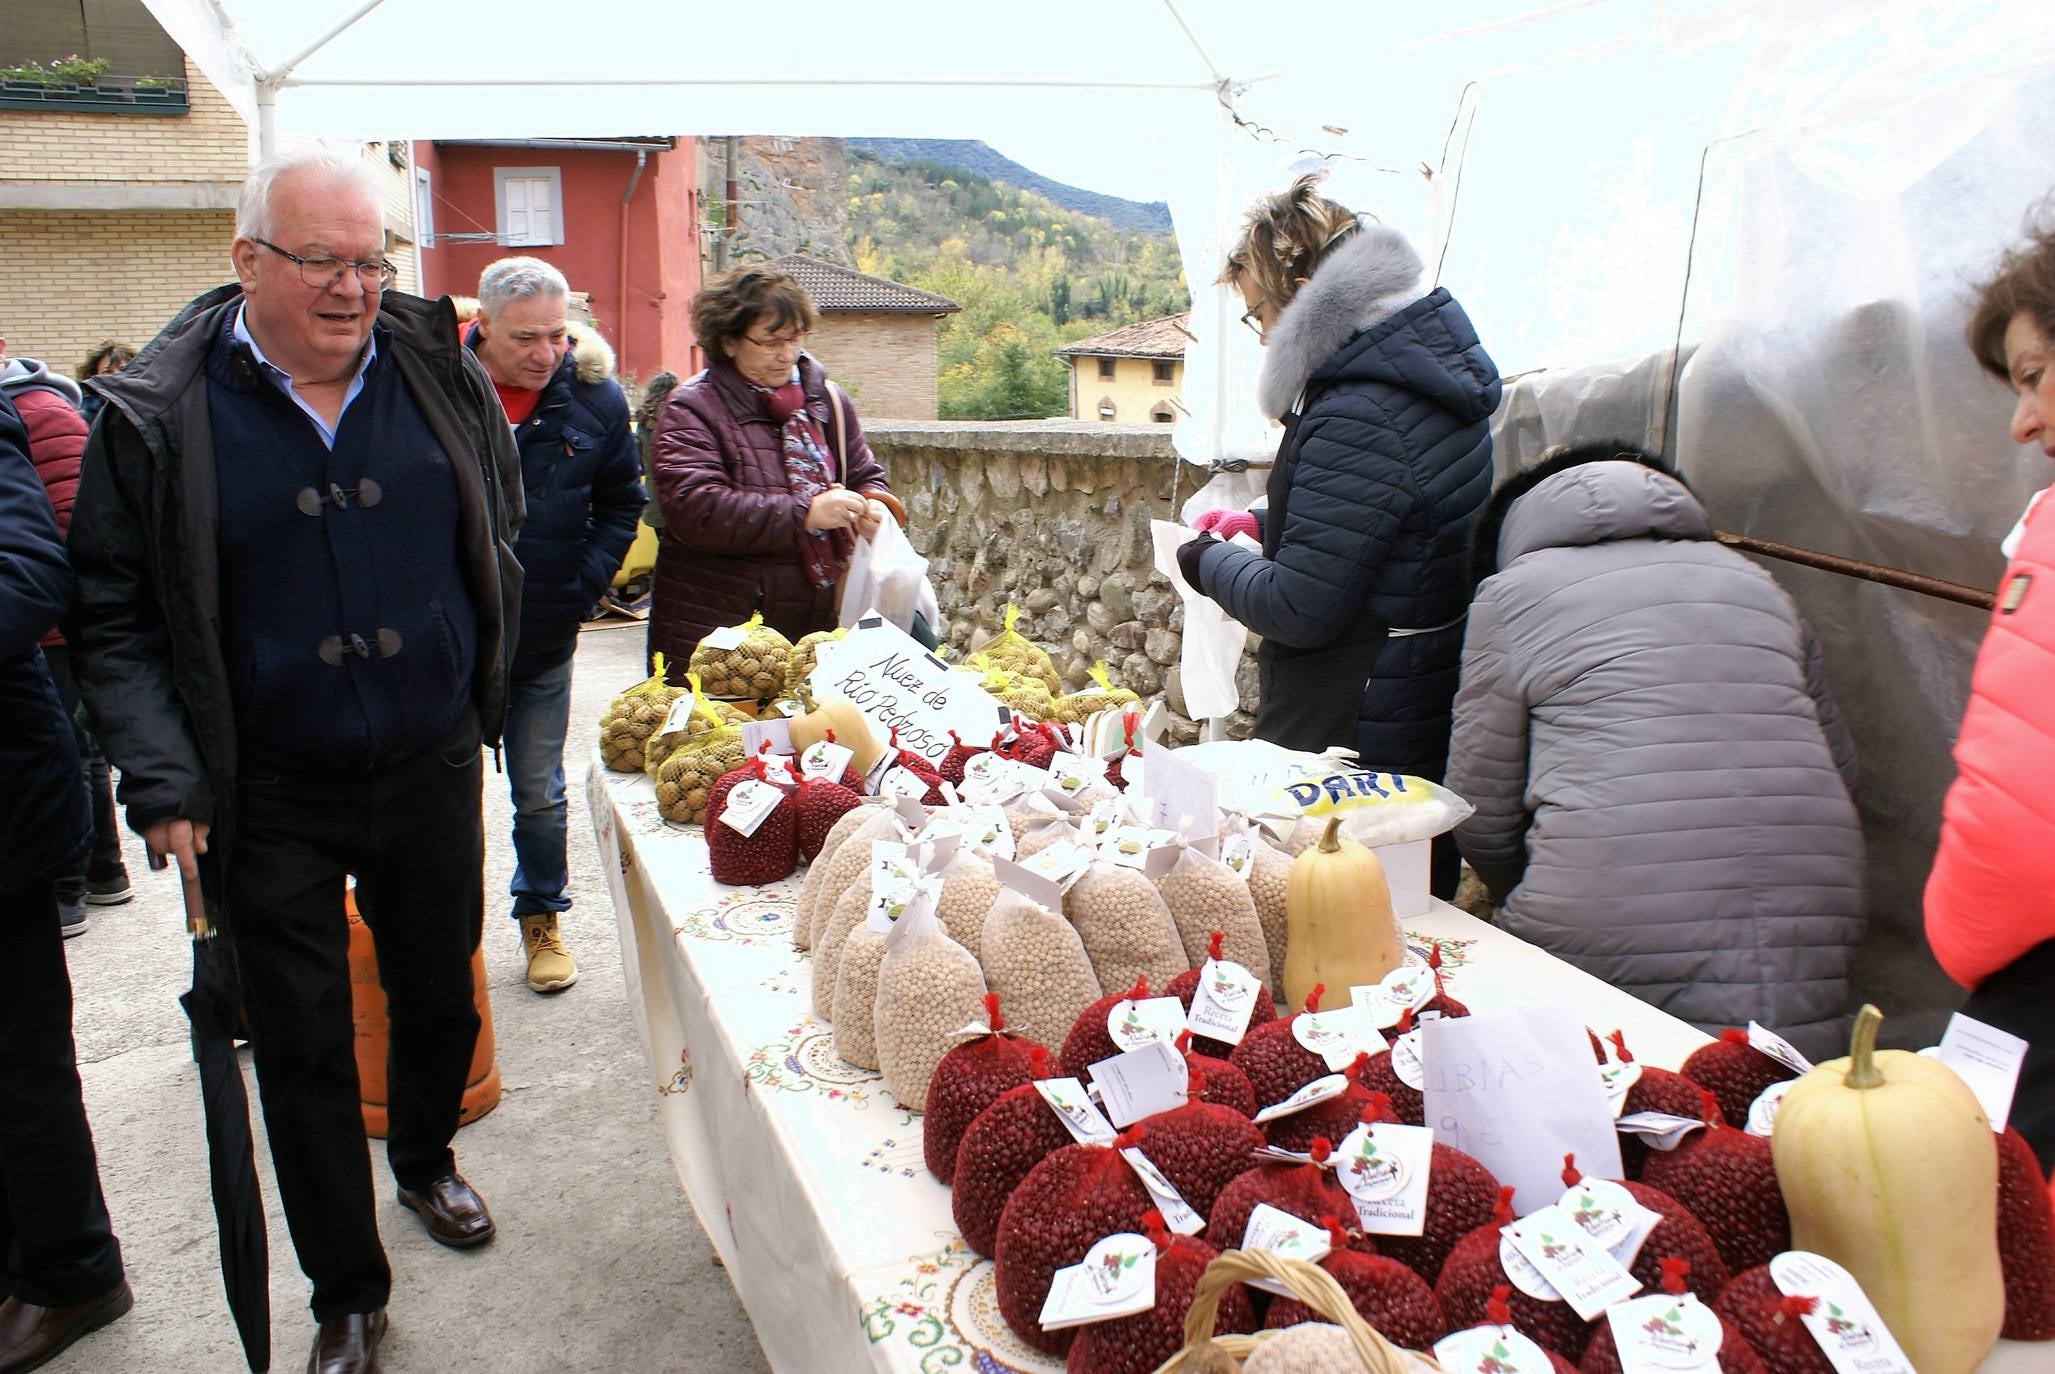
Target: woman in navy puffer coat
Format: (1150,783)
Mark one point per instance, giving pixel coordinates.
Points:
(1386,395)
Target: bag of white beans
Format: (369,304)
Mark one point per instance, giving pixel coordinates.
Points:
(1035,961)
(929,987)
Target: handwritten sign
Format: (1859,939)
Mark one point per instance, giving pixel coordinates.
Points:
(898,685)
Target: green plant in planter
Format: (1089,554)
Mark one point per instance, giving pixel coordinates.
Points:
(158,83)
(60,71)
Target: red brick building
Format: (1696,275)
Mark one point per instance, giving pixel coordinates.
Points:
(618,217)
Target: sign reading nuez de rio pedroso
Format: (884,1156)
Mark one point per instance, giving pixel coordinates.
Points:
(899,685)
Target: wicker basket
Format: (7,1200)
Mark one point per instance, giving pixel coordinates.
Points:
(1205,1353)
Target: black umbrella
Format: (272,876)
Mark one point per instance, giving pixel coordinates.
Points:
(212,1006)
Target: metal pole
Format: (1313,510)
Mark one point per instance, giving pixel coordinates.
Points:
(267,117)
(1852,567)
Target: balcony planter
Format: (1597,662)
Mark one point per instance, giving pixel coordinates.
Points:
(100,98)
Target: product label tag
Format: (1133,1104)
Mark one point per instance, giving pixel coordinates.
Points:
(1223,1001)
(1610,1215)
(987,778)
(1408,987)
(1318,1091)
(1061,864)
(1586,1274)
(726,638)
(1665,1334)
(825,760)
(676,718)
(1130,845)
(747,804)
(1762,1113)
(1619,1080)
(1141,1082)
(1659,1130)
(1985,1058)
(1116,1279)
(895,881)
(1490,1350)
(1238,853)
(1100,820)
(1177,1213)
(903,782)
(1133,1024)
(1385,1170)
(1337,1035)
(1074,1107)
(1523,1275)
(986,830)
(1072,774)
(1845,1324)
(1283,1234)
(1407,1062)
(1778,1048)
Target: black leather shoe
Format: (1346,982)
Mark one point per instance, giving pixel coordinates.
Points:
(348,1345)
(31,1336)
(452,1211)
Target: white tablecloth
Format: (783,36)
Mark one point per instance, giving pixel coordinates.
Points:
(807,1175)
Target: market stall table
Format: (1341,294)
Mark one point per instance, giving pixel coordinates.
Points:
(808,1176)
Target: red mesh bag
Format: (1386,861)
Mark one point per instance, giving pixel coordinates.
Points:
(969,1079)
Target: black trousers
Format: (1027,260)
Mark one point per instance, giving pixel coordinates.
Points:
(55,1237)
(104,861)
(2020,998)
(411,833)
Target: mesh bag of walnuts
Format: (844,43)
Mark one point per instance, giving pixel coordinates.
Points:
(1076,708)
(686,777)
(806,654)
(1020,656)
(743,662)
(632,717)
(1018,692)
(929,987)
(693,716)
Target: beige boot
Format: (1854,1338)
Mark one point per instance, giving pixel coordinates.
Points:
(550,966)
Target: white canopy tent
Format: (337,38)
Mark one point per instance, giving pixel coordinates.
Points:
(1799,190)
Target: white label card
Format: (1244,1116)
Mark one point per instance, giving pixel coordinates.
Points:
(1238,853)
(1576,1266)
(1117,1278)
(1074,1108)
(726,638)
(1619,1080)
(676,718)
(825,760)
(1061,864)
(1407,1061)
(776,733)
(1610,1215)
(1408,987)
(1659,1130)
(1223,1001)
(1073,774)
(1845,1324)
(1133,1024)
(1985,1058)
(1778,1048)
(905,783)
(1136,847)
(1141,1083)
(1102,818)
(1762,1113)
(1662,1334)
(891,900)
(1312,1095)
(986,830)
(1285,1235)
(747,804)
(1385,1170)
(1489,1350)
(1177,1213)
(1337,1035)
(1182,798)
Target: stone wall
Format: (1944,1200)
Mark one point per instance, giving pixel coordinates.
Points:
(1053,516)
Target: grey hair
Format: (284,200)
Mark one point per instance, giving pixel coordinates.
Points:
(253,205)
(518,279)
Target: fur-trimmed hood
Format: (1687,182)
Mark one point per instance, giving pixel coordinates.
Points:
(1366,280)
(594,355)
(1590,495)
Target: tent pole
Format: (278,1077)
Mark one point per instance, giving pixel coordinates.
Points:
(267,117)
(285,68)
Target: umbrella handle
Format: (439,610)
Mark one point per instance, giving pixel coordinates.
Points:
(197,923)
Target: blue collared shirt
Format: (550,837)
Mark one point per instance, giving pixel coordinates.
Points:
(283,380)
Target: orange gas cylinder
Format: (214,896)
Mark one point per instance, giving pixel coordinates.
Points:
(367,1004)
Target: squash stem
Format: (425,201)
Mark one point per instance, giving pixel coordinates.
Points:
(1330,840)
(1862,1049)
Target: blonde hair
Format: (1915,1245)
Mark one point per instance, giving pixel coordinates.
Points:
(1284,238)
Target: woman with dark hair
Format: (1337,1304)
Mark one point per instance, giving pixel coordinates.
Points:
(1988,912)
(108,357)
(1386,396)
(1661,779)
(762,474)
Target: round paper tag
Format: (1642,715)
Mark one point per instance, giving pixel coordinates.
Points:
(1133,1024)
(1762,1113)
(1322,1034)
(1619,1080)
(1523,1274)
(1679,1333)
(1409,987)
(1113,1269)
(1605,1210)
(1489,1348)
(1367,1172)
(1406,1063)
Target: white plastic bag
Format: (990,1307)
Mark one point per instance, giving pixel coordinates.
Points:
(887,575)
(1213,639)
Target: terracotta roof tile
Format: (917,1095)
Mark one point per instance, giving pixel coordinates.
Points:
(1164,338)
(843,290)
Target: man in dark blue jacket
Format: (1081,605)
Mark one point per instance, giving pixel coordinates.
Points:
(60,1266)
(583,476)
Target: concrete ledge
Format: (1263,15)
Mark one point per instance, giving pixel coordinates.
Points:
(118,195)
(1052,438)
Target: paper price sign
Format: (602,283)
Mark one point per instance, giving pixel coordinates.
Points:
(1074,1108)
(747,804)
(1285,1235)
(1133,1024)
(1116,1279)
(1223,1001)
(1662,1334)
(1587,1276)
(1409,987)
(899,685)
(1385,1170)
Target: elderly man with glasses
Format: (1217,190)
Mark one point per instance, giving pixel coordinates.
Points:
(297,599)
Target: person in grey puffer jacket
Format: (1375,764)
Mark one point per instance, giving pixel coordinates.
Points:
(1661,778)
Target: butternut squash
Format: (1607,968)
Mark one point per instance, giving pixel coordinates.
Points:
(1338,921)
(1887,1168)
(852,728)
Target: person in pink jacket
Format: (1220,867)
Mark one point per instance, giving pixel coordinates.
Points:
(1990,900)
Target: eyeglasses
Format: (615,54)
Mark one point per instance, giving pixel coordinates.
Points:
(1250,319)
(322,273)
(780,342)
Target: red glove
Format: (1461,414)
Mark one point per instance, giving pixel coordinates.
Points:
(1226,523)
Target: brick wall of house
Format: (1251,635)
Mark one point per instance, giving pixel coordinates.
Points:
(887,362)
(70,279)
(209,143)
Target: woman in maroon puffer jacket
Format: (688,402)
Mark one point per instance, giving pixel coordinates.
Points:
(762,474)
